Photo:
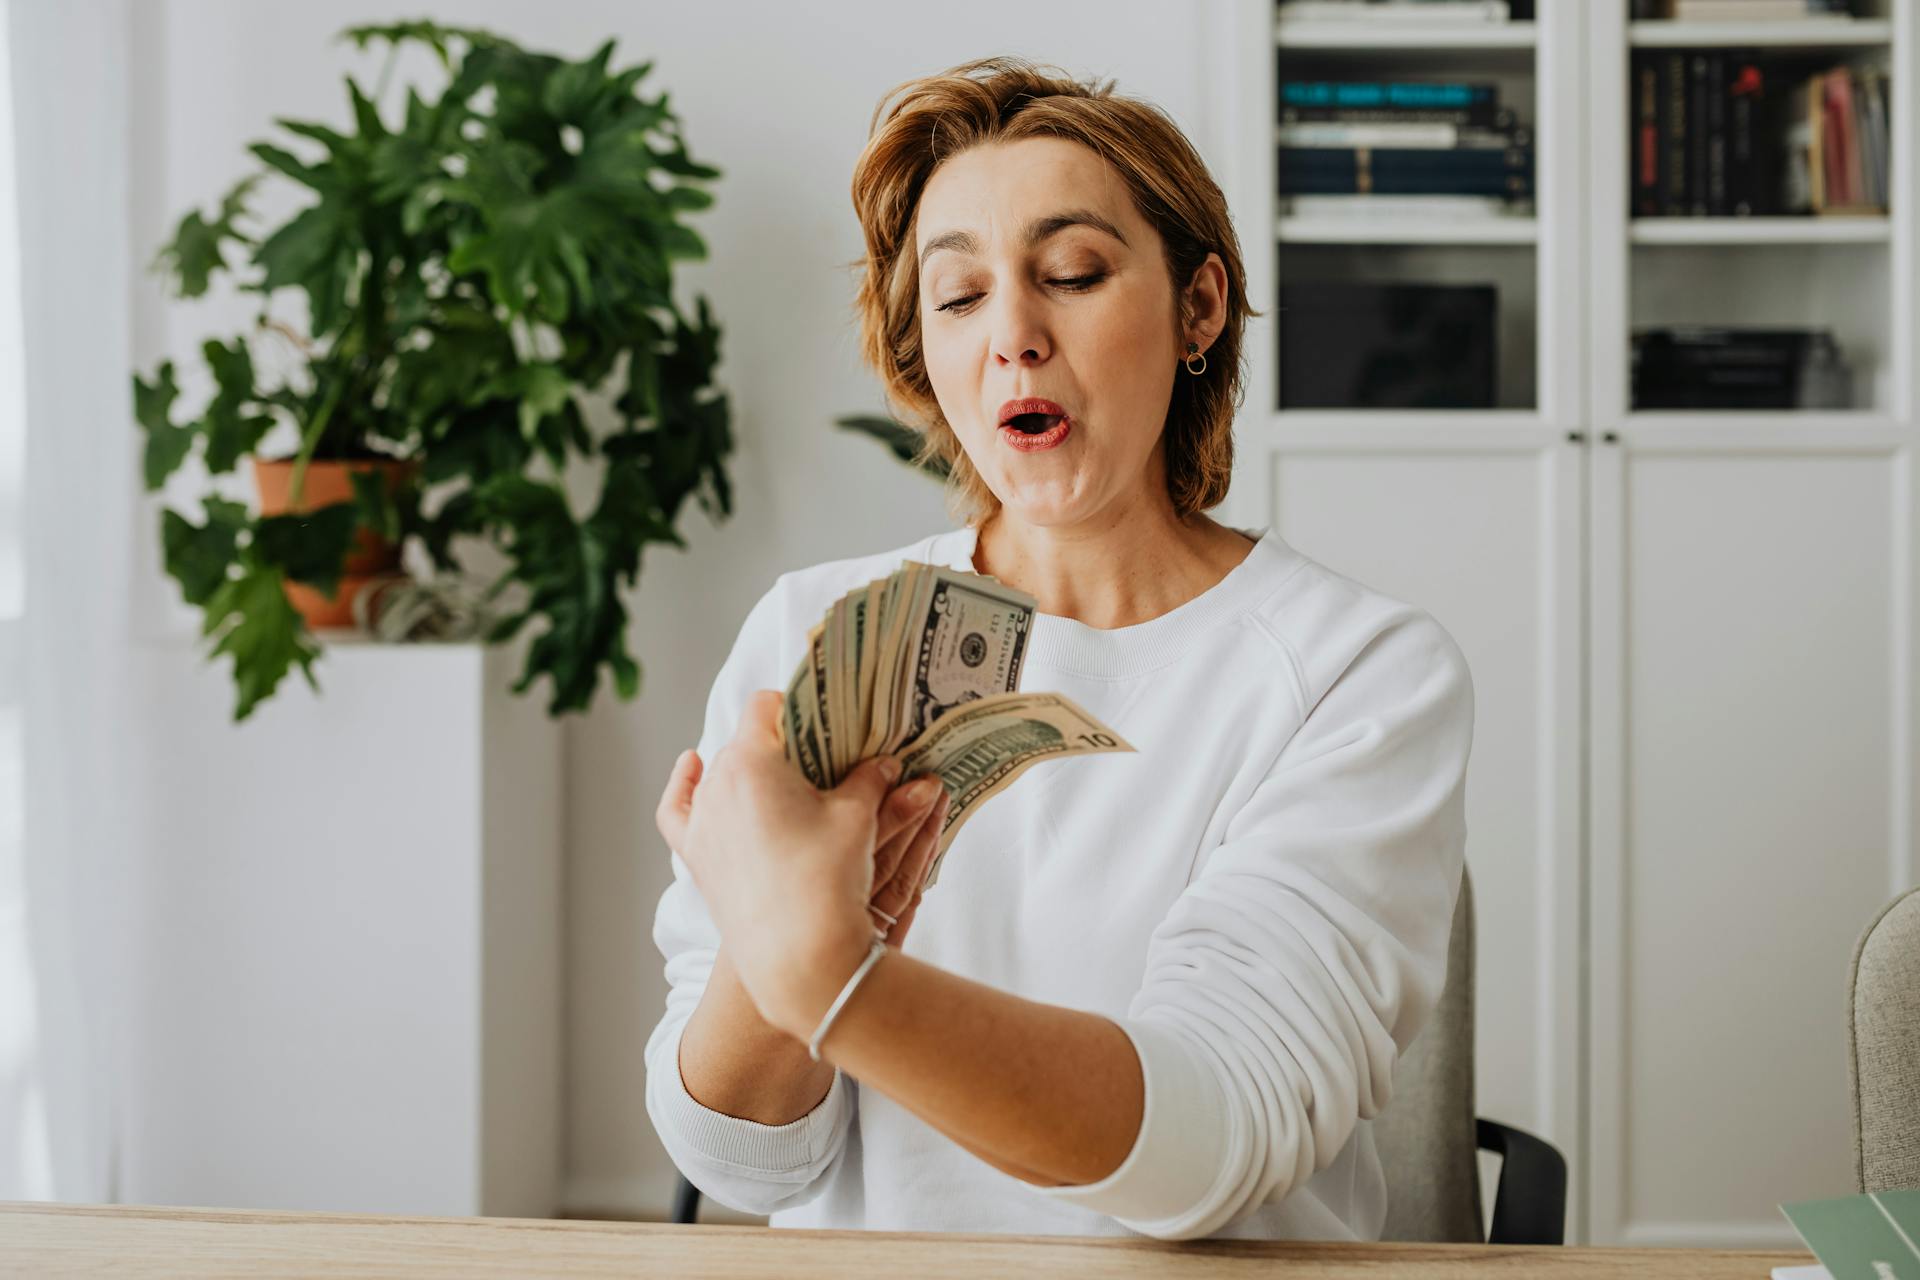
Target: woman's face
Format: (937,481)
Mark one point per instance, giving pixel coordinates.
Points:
(1039,280)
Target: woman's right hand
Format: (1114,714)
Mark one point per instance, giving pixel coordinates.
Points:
(908,835)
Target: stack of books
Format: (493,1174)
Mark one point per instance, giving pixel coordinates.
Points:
(1742,10)
(1402,10)
(1695,367)
(1720,133)
(1837,142)
(1376,146)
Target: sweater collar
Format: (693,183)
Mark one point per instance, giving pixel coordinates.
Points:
(1066,644)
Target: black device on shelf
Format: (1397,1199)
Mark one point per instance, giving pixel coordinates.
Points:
(1703,367)
(1666,10)
(1386,346)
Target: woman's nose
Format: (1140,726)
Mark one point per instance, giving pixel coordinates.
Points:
(1018,335)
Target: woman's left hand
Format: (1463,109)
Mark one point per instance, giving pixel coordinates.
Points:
(786,870)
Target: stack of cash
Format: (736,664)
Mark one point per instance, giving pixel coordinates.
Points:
(891,659)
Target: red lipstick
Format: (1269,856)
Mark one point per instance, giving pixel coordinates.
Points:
(1031,424)
(1039,440)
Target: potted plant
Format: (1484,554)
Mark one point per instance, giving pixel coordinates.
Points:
(470,276)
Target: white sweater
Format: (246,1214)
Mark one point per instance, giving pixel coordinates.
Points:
(1260,898)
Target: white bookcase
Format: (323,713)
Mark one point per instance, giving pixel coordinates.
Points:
(1691,633)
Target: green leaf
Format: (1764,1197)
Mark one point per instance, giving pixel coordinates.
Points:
(477,445)
(199,556)
(339,144)
(261,632)
(620,87)
(541,390)
(167,444)
(524,259)
(565,567)
(278,158)
(194,253)
(379,510)
(231,431)
(459,352)
(630,514)
(317,251)
(459,515)
(688,199)
(310,546)
(626,674)
(901,439)
(432,34)
(400,168)
(641,399)
(365,114)
(574,88)
(676,162)
(682,243)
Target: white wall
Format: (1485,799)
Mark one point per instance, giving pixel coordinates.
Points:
(778,95)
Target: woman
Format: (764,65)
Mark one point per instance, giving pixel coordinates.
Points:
(1159,992)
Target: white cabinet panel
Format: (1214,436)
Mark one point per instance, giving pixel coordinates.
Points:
(1484,535)
(1750,753)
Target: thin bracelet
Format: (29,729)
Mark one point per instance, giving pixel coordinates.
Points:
(877,949)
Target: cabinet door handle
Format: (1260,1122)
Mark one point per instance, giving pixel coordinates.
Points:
(1611,437)
(1576,437)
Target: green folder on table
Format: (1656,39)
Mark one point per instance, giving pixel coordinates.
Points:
(1870,1237)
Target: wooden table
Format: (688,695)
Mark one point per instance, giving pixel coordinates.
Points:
(63,1240)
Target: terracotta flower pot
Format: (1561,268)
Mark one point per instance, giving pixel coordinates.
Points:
(326,483)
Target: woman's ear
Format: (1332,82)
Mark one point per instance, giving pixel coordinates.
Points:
(1203,303)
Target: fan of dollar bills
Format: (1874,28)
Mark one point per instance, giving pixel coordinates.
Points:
(926,664)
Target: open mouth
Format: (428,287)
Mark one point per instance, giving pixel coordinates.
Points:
(1034,432)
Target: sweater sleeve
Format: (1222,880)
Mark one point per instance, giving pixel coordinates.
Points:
(1310,949)
(747,1166)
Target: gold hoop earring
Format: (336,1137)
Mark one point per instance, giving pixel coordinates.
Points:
(1191,348)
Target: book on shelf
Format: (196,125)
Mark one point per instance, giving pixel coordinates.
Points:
(1409,208)
(1361,170)
(1405,134)
(1707,109)
(1836,147)
(1444,100)
(1750,169)
(1390,11)
(1878,145)
(1400,138)
(1735,133)
(1713,367)
(1741,10)
(1846,179)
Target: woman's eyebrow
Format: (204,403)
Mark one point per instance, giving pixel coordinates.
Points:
(1037,230)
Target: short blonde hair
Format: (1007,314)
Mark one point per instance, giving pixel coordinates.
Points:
(923,122)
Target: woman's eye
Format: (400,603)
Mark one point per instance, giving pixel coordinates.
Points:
(1075,284)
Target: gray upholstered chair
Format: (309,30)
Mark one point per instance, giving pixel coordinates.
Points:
(1429,1137)
(1883,1048)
